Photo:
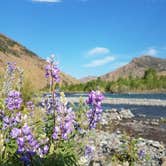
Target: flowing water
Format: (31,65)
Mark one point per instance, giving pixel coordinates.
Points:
(148,110)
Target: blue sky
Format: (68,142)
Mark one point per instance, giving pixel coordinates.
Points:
(88,37)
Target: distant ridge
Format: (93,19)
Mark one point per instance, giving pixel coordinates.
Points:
(137,67)
(33,65)
(88,78)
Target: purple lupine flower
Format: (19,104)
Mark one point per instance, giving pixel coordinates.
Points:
(26,130)
(11,121)
(94,113)
(33,142)
(15,133)
(2,114)
(51,70)
(20,141)
(141,154)
(13,101)
(95,97)
(20,149)
(29,137)
(89,151)
(48,104)
(9,78)
(11,67)
(55,134)
(64,121)
(30,105)
(45,149)
(68,126)
(27,144)
(8,122)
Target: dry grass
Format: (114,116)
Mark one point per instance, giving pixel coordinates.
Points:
(33,65)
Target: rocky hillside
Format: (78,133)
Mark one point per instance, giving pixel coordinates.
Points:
(33,65)
(137,67)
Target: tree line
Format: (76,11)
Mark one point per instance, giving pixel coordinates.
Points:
(149,82)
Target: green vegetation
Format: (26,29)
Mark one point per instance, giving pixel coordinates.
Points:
(150,82)
(130,152)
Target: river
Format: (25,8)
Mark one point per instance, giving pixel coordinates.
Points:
(151,105)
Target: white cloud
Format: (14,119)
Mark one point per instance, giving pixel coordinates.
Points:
(152,51)
(48,1)
(100,62)
(98,51)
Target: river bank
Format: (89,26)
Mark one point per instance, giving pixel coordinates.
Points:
(125,121)
(122,136)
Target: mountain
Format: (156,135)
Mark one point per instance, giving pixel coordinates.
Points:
(33,65)
(137,67)
(88,78)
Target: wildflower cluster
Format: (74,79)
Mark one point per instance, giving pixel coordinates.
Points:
(13,101)
(13,78)
(35,140)
(28,146)
(94,114)
(52,70)
(13,120)
(9,78)
(49,103)
(64,120)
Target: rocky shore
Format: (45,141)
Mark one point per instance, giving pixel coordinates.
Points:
(120,130)
(125,121)
(108,145)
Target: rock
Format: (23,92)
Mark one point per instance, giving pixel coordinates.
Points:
(107,144)
(118,132)
(126,114)
(155,144)
(115,115)
(163,161)
(154,122)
